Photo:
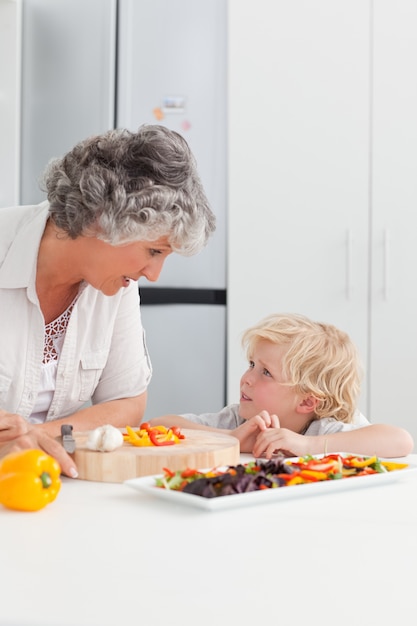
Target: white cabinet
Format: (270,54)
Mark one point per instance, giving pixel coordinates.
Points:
(393,302)
(10,76)
(321,186)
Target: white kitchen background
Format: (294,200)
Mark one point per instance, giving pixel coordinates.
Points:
(322,184)
(322,180)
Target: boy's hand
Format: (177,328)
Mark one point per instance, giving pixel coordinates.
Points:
(275,439)
(248,432)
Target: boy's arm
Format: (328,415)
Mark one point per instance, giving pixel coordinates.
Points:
(246,433)
(182,422)
(383,440)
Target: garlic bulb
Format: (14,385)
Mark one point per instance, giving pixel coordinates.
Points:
(105,439)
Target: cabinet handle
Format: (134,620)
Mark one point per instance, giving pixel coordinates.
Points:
(349,245)
(386,263)
(18,93)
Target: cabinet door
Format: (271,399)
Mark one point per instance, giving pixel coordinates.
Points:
(68,81)
(393,344)
(10,77)
(298,166)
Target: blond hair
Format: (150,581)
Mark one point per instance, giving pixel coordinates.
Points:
(321,361)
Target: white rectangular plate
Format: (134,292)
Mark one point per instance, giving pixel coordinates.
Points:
(146,484)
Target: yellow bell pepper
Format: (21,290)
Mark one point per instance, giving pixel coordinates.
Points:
(29,480)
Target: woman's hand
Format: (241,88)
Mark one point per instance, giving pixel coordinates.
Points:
(248,432)
(11,426)
(17,434)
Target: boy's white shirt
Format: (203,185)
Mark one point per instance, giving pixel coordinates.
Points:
(229,419)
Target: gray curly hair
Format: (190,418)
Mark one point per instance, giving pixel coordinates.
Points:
(125,186)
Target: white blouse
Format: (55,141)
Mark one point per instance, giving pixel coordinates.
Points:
(102,355)
(53,342)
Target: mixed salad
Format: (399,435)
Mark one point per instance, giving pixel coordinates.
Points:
(280,472)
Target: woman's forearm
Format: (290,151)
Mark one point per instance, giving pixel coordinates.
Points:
(118,413)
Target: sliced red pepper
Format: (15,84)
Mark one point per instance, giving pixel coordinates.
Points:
(365,471)
(318,466)
(168,472)
(287,477)
(189,473)
(177,432)
(154,436)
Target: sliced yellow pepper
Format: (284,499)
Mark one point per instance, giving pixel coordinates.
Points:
(136,439)
(141,442)
(314,475)
(297,480)
(152,436)
(161,429)
(132,435)
(391,465)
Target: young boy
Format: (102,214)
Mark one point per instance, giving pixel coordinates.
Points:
(299,395)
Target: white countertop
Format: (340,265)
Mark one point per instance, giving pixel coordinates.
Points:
(104,554)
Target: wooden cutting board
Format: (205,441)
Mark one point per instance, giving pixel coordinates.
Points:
(200,449)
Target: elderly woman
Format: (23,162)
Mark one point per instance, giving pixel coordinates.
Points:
(72,344)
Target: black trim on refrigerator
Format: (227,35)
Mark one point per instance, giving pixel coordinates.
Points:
(181,295)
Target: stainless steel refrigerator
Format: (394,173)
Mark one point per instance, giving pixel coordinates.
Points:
(90,65)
